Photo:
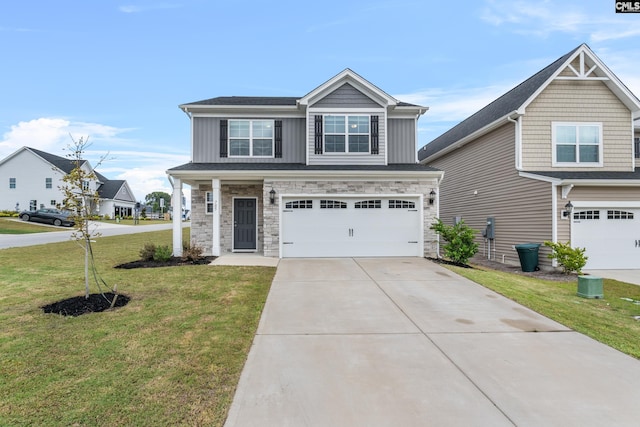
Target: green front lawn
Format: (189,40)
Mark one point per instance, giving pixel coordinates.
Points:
(172,356)
(16,226)
(609,320)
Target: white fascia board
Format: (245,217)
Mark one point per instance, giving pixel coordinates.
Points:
(307,175)
(471,137)
(583,182)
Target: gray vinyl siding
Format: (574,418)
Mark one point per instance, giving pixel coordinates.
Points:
(346,96)
(521,206)
(401,139)
(348,158)
(206,142)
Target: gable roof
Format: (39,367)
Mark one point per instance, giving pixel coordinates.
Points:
(347,76)
(62,163)
(110,188)
(514,102)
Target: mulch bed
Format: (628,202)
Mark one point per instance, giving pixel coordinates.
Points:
(542,274)
(80,305)
(171,262)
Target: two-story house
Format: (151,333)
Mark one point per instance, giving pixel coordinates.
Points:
(551,160)
(333,173)
(32,179)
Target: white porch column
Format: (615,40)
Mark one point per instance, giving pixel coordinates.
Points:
(215,185)
(176,203)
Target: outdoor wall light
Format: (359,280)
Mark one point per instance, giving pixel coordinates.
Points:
(272,196)
(432,197)
(567,209)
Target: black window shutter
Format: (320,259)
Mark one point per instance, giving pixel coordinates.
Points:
(223,138)
(375,144)
(318,135)
(278,139)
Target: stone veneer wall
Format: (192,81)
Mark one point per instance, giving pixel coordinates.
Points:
(202,223)
(271,229)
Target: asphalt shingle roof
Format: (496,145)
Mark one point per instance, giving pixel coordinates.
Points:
(297,167)
(507,103)
(62,163)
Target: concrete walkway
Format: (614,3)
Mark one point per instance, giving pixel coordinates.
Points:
(405,342)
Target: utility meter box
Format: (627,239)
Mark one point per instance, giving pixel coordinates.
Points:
(491,227)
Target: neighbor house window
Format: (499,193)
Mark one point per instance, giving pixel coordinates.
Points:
(12,183)
(577,144)
(53,202)
(251,138)
(209,202)
(48,183)
(346,134)
(85,185)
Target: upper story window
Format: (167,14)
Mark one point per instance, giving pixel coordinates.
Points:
(346,134)
(577,144)
(48,183)
(12,183)
(85,185)
(251,138)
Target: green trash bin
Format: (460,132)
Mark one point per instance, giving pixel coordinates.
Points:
(528,254)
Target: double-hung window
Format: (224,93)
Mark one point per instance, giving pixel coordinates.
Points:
(251,138)
(346,134)
(577,144)
(48,183)
(12,183)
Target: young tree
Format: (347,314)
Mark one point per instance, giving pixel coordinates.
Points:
(81,199)
(460,244)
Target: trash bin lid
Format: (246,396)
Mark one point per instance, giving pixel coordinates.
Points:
(528,246)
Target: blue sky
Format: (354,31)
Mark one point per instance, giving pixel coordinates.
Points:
(116,70)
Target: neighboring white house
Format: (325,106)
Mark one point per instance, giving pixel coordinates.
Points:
(30,179)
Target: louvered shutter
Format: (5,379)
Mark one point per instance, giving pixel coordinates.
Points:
(278,139)
(375,140)
(318,134)
(223,138)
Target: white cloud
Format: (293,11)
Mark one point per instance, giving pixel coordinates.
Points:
(145,171)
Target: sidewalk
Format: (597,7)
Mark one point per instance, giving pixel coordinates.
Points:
(405,342)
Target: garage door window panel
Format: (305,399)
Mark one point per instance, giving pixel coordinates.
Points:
(369,204)
(613,214)
(332,204)
(299,204)
(586,215)
(401,204)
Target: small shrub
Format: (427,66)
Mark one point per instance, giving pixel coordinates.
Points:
(162,254)
(147,252)
(106,217)
(191,251)
(571,259)
(460,244)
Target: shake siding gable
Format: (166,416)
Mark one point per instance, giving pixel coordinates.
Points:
(346,96)
(577,101)
(521,207)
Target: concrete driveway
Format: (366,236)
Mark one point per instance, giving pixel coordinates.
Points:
(405,342)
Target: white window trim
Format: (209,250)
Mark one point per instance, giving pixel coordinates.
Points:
(251,155)
(346,135)
(208,195)
(577,163)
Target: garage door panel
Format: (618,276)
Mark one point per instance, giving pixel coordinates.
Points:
(610,237)
(371,229)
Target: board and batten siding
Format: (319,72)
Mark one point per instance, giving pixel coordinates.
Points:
(206,142)
(346,96)
(577,101)
(401,141)
(480,181)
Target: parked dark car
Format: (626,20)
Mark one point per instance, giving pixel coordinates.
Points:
(49,216)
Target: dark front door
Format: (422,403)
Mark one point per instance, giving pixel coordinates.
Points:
(244,224)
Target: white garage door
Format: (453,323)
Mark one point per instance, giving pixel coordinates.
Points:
(349,227)
(611,237)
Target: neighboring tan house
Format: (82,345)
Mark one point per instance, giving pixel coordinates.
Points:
(331,174)
(31,179)
(551,160)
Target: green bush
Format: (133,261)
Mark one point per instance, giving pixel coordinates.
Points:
(163,253)
(148,251)
(460,244)
(571,259)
